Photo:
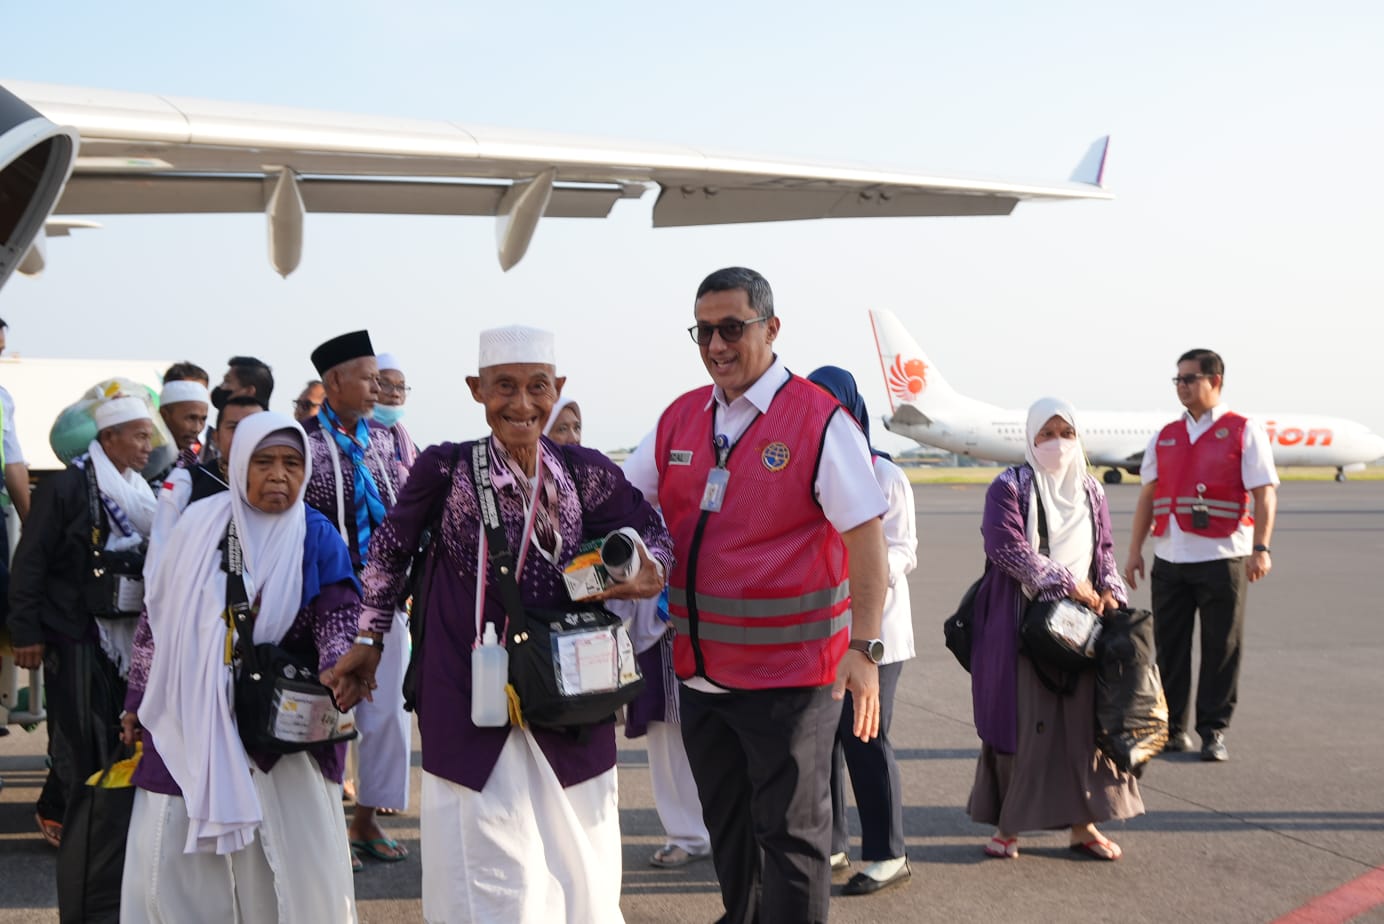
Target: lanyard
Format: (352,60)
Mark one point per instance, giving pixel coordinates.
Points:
(482,546)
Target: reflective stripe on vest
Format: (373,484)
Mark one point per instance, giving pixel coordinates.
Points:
(771,607)
(766,635)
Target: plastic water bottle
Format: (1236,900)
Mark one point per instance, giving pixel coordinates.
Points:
(489,674)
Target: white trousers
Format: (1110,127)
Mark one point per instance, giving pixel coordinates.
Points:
(675,792)
(523,850)
(297,869)
(382,751)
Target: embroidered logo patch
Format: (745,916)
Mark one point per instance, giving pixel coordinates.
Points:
(679,457)
(775,456)
(1222,433)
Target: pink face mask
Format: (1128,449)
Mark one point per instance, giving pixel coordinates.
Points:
(1056,455)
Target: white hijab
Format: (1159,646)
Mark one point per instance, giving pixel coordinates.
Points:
(188,703)
(1065,503)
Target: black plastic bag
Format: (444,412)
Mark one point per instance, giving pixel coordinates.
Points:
(1131,712)
(91,860)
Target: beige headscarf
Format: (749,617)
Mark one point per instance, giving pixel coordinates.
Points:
(1063,493)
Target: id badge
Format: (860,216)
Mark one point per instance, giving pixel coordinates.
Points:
(714,495)
(1201,518)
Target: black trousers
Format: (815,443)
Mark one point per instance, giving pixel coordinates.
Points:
(85,697)
(762,762)
(1217,590)
(874,779)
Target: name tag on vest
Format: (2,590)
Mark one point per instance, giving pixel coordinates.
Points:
(679,457)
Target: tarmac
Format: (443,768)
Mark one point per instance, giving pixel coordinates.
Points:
(1293,824)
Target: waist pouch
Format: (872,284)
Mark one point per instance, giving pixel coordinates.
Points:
(572,667)
(115,587)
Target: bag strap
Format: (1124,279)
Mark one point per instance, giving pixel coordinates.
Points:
(1044,548)
(93,505)
(238,609)
(499,557)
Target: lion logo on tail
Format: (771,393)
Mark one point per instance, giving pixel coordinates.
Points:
(907,378)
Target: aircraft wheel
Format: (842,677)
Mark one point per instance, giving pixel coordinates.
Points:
(1112,476)
(1340,476)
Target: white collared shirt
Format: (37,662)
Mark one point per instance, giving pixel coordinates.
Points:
(1256,470)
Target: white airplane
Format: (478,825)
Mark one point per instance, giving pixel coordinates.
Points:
(141,153)
(925,408)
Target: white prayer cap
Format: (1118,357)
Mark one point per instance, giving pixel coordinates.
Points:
(118,410)
(388,362)
(516,344)
(173,392)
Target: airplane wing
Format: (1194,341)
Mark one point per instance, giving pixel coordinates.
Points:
(143,153)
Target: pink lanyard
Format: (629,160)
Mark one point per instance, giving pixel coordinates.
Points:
(482,553)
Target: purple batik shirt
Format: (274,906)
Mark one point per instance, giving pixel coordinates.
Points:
(593,499)
(1013,564)
(380,459)
(327,624)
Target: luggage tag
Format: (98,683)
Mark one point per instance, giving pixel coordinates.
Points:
(714,494)
(1201,515)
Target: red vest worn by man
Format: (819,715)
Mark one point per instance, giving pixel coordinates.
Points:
(1204,474)
(758,594)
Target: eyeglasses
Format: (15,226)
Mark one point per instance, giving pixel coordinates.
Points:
(730,331)
(1190,379)
(303,404)
(388,389)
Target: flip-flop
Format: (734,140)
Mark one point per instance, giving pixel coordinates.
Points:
(372,847)
(670,856)
(1091,849)
(1004,849)
(51,831)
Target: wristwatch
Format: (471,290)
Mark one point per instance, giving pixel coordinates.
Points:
(872,648)
(1262,548)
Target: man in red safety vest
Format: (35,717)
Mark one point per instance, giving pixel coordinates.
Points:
(767,489)
(1199,474)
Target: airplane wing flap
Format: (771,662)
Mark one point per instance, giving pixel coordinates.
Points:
(143,195)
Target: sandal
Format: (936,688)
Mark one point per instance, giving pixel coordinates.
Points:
(1101,848)
(50,830)
(1004,849)
(670,856)
(384,849)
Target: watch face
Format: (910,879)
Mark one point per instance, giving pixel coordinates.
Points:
(876,651)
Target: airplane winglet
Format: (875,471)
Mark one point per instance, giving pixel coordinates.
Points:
(1091,169)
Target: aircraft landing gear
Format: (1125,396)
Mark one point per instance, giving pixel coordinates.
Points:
(1113,476)
(1340,474)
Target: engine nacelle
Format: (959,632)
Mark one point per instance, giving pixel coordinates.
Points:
(36,158)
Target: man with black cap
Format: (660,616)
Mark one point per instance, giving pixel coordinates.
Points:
(355,480)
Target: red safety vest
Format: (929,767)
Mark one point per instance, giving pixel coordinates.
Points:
(1206,472)
(759,593)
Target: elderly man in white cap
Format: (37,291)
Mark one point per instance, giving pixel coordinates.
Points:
(389,411)
(519,823)
(76,592)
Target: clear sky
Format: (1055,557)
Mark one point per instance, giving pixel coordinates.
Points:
(1247,148)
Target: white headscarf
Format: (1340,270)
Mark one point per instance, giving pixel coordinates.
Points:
(188,703)
(558,405)
(1065,504)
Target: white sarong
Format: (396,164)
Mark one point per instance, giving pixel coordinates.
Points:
(297,869)
(523,850)
(383,749)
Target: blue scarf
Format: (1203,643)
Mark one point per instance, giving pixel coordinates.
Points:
(369,514)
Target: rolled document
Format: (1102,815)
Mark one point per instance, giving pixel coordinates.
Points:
(620,554)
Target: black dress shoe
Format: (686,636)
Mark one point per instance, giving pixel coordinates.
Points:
(861,884)
(1213,747)
(1178,741)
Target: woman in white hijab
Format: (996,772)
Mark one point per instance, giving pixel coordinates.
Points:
(1039,768)
(219,833)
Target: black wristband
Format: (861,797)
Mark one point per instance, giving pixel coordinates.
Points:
(1263,548)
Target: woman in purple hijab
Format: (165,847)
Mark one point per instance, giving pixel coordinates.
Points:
(1039,768)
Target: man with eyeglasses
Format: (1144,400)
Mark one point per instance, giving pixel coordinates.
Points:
(767,488)
(1199,473)
(394,389)
(309,402)
(355,481)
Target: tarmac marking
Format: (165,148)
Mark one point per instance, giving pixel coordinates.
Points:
(1343,903)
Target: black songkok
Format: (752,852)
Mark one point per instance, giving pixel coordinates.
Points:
(342,349)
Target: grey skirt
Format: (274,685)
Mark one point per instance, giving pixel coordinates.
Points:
(1057,778)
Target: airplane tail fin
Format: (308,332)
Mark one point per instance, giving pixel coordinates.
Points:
(909,376)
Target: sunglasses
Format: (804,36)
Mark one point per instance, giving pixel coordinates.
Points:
(1189,379)
(730,331)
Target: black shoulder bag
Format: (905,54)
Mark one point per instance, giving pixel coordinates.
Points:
(114,589)
(280,705)
(420,580)
(1060,633)
(572,667)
